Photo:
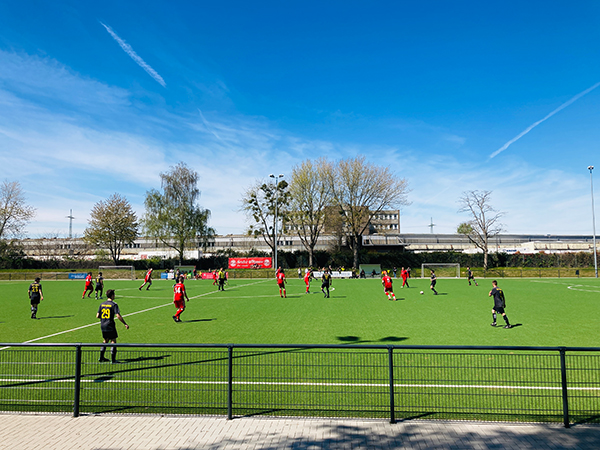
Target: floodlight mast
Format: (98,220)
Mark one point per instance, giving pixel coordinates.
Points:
(591,168)
(276,180)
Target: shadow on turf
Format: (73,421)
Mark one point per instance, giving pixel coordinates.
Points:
(54,317)
(197,320)
(357,340)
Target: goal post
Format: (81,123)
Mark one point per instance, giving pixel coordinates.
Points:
(442,270)
(117,272)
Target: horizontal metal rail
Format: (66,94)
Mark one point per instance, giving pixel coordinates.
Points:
(394,381)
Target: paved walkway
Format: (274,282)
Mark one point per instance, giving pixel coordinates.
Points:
(48,432)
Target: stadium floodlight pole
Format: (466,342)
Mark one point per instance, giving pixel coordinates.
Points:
(591,168)
(276,179)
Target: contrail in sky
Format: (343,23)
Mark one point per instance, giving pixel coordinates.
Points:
(531,127)
(208,126)
(127,49)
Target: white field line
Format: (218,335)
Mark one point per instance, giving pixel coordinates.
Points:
(128,315)
(273,383)
(573,287)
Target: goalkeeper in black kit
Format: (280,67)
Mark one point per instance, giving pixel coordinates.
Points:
(499,304)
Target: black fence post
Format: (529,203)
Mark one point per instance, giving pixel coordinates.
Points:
(229,382)
(565,395)
(77,381)
(391,369)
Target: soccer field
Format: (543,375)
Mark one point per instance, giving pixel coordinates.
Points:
(545,312)
(442,383)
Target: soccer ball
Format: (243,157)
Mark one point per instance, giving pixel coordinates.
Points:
(421,292)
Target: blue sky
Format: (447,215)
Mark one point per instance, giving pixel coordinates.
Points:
(100,97)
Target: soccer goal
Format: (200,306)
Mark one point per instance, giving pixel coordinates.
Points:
(117,272)
(442,270)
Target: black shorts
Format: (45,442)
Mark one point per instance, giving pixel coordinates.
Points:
(99,287)
(324,285)
(35,300)
(109,334)
(499,309)
(433,283)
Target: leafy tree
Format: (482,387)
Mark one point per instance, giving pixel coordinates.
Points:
(113,224)
(15,214)
(173,216)
(310,194)
(360,191)
(484,223)
(260,203)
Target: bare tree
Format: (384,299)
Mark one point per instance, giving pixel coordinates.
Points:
(484,223)
(15,214)
(173,217)
(360,191)
(113,224)
(310,194)
(260,202)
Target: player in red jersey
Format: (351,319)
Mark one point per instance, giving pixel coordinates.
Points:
(281,282)
(179,297)
(404,275)
(307,277)
(215,277)
(147,279)
(387,286)
(89,285)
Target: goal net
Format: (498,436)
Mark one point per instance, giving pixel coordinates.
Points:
(442,270)
(117,272)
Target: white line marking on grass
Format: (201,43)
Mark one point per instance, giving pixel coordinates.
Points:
(125,315)
(576,286)
(573,287)
(276,383)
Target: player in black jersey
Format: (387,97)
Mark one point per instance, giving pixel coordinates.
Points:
(499,304)
(433,282)
(99,285)
(325,282)
(107,312)
(470,276)
(35,296)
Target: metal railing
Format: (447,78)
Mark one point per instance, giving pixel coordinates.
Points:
(547,384)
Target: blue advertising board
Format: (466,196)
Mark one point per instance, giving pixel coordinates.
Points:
(77,275)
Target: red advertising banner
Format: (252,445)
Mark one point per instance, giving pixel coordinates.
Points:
(207,275)
(250,263)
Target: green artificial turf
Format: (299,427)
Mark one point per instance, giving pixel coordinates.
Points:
(545,312)
(506,385)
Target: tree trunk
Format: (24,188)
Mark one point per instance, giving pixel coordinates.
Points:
(485,253)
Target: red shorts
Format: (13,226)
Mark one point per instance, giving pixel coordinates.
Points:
(389,289)
(179,304)
(281,285)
